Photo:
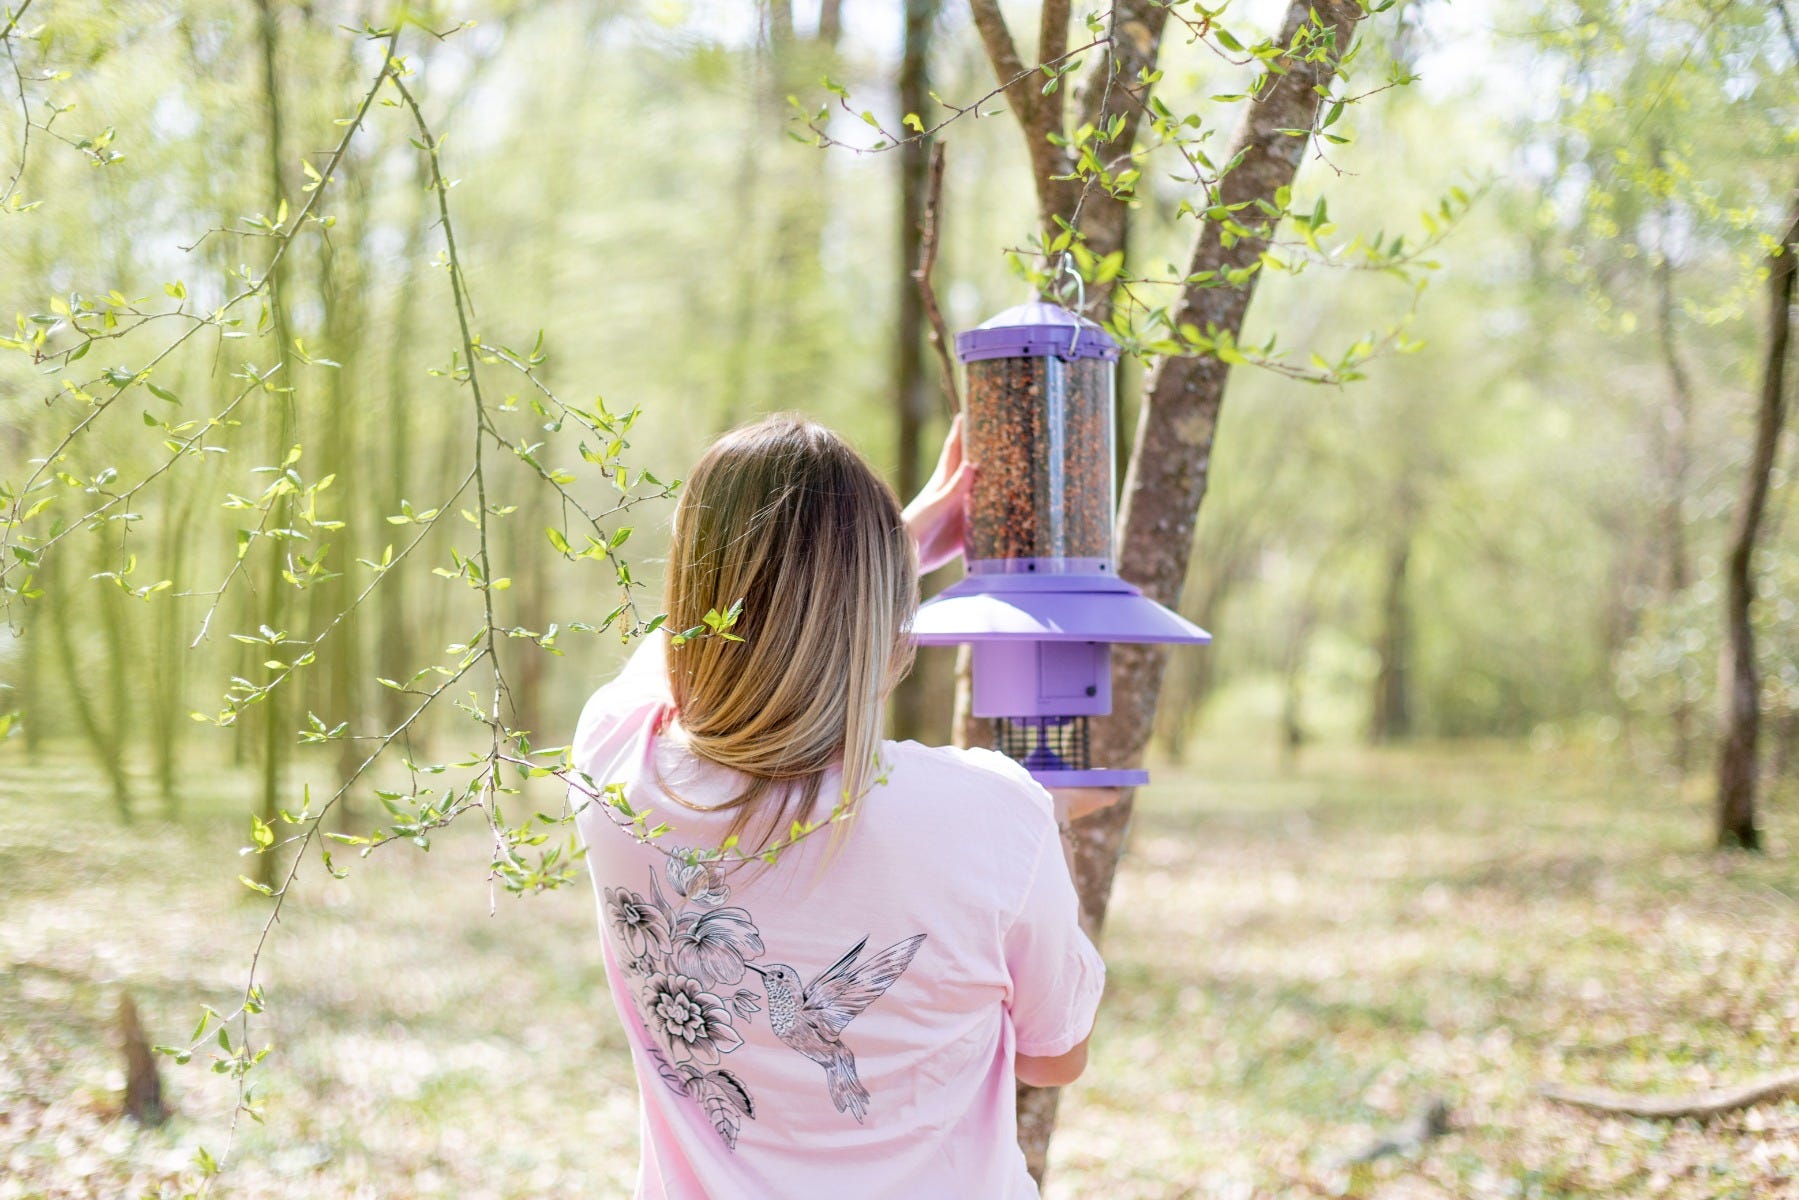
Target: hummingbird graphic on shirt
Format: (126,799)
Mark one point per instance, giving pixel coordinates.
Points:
(812,1018)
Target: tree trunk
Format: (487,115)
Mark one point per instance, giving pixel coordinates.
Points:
(911,385)
(1390,717)
(335,687)
(1786,744)
(144,1101)
(1229,559)
(87,716)
(283,434)
(1675,446)
(1738,688)
(735,398)
(29,700)
(169,720)
(1293,665)
(393,656)
(1171,460)
(533,594)
(341,292)
(117,735)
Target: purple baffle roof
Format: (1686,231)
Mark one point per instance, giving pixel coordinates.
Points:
(1048,608)
(1035,330)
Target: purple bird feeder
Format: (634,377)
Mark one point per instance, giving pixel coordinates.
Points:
(1042,603)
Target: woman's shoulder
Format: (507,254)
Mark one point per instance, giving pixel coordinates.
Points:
(952,772)
(631,698)
(973,818)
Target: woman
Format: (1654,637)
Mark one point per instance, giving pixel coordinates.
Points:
(836,955)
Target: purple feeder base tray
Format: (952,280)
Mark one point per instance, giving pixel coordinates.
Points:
(1093,778)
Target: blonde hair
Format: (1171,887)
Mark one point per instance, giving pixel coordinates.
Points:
(784,517)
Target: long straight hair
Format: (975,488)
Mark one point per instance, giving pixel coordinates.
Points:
(785,518)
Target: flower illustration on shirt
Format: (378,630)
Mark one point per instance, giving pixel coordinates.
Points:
(684,960)
(720,1093)
(703,883)
(693,1022)
(713,945)
(640,925)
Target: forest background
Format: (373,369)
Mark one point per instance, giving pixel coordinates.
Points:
(270,443)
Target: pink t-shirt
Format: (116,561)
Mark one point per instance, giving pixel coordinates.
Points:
(831,1026)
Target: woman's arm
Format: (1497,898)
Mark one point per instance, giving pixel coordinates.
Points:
(1059,1071)
(1071,804)
(1056,974)
(937,518)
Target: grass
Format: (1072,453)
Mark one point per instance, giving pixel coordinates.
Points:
(1298,961)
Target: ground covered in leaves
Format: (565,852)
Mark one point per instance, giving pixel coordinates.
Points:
(1300,961)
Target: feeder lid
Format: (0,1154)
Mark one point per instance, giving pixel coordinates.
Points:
(1002,608)
(1035,330)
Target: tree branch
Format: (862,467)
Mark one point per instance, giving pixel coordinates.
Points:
(1786,25)
(1703,1106)
(1112,89)
(927,259)
(1025,94)
(6,39)
(1007,66)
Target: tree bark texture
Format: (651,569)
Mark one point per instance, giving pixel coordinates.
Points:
(1739,690)
(1178,419)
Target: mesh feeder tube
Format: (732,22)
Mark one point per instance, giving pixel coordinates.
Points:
(1042,603)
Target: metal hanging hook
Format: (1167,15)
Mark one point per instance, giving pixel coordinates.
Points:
(1080,306)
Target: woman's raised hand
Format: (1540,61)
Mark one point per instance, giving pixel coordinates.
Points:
(1071,804)
(937,518)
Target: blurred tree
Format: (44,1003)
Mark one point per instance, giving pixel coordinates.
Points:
(1740,723)
(1390,717)
(911,382)
(102,730)
(269,609)
(1672,127)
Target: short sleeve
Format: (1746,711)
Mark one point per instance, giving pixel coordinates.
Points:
(1057,975)
(645,674)
(617,714)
